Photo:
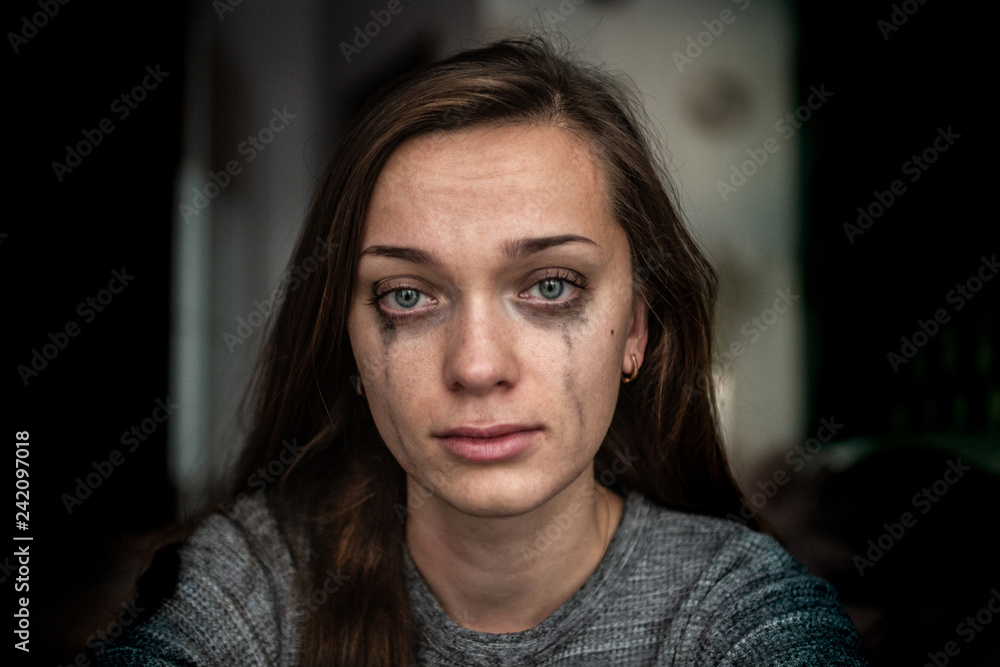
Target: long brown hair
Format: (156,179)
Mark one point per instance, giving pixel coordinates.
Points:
(340,493)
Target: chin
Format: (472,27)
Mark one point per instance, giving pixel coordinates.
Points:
(494,507)
(502,495)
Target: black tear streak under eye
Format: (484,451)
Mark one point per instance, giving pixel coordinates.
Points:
(390,413)
(568,381)
(399,434)
(558,315)
(577,310)
(387,331)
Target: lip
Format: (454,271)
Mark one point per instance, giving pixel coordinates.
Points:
(488,443)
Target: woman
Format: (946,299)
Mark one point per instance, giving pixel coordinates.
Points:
(489,382)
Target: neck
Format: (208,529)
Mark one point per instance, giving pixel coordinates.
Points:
(508,574)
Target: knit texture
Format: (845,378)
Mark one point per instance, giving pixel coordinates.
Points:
(672,589)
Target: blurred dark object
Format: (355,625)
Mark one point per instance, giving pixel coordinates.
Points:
(908,537)
(876,278)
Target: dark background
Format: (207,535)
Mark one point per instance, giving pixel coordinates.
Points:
(62,240)
(114,211)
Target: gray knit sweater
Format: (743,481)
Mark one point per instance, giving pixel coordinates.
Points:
(672,589)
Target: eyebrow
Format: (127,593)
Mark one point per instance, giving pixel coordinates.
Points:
(512,249)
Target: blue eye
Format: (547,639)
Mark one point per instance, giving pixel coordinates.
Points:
(406,298)
(551,288)
(554,288)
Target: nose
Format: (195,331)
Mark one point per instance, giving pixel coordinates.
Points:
(481,353)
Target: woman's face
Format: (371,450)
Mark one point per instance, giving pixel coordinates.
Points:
(493,314)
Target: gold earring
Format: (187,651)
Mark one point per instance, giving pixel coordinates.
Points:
(635,370)
(358,387)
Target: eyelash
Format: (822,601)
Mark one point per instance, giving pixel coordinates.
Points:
(564,275)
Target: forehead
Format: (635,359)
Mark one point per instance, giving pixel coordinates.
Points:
(483,183)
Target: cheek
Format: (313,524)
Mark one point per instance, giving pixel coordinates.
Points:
(573,392)
(387,403)
(371,354)
(391,385)
(591,368)
(376,350)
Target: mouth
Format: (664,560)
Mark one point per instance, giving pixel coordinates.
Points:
(488,443)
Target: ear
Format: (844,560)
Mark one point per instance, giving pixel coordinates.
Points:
(638,334)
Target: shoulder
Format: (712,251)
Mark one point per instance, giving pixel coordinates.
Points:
(695,545)
(741,598)
(234,601)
